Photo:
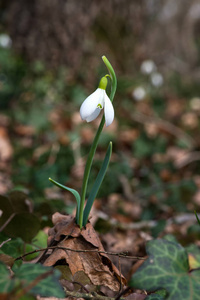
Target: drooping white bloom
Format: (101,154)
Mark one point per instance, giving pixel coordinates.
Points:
(93,104)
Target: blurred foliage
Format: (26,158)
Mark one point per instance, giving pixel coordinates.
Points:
(41,105)
(154,166)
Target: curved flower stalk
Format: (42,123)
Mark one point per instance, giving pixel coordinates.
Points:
(93,104)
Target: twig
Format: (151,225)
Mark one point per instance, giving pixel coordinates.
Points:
(7,222)
(187,159)
(4,242)
(120,254)
(122,293)
(120,271)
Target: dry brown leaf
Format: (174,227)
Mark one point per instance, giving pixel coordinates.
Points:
(128,136)
(85,257)
(5,182)
(87,135)
(24,130)
(6,149)
(7,260)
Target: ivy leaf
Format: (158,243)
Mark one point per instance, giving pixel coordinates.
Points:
(23,225)
(167,267)
(193,256)
(13,247)
(154,297)
(16,220)
(158,295)
(47,287)
(6,284)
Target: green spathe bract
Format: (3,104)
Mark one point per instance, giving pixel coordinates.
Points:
(81,214)
(103,83)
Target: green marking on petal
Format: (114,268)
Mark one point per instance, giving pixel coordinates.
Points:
(99,106)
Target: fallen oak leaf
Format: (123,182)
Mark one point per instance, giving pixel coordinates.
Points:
(97,266)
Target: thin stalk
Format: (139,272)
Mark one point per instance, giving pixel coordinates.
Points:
(95,142)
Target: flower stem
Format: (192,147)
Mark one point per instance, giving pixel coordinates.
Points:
(95,142)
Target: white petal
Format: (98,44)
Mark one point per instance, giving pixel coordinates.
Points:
(94,115)
(90,104)
(108,110)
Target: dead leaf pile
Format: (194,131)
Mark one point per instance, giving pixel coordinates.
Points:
(83,253)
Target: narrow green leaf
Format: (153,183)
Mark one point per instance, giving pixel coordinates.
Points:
(197,217)
(97,184)
(74,192)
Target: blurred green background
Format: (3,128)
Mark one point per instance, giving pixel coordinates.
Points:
(50,61)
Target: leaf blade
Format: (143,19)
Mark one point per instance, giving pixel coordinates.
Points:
(97,184)
(46,287)
(197,217)
(6,283)
(74,192)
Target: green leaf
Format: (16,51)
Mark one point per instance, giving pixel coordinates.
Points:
(24,225)
(13,247)
(167,267)
(28,297)
(48,287)
(197,217)
(193,256)
(158,295)
(6,208)
(39,241)
(97,184)
(6,284)
(154,297)
(18,200)
(74,192)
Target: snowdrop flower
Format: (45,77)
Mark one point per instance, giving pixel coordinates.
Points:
(139,93)
(5,41)
(93,104)
(148,66)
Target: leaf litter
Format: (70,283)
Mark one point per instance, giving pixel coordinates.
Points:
(86,254)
